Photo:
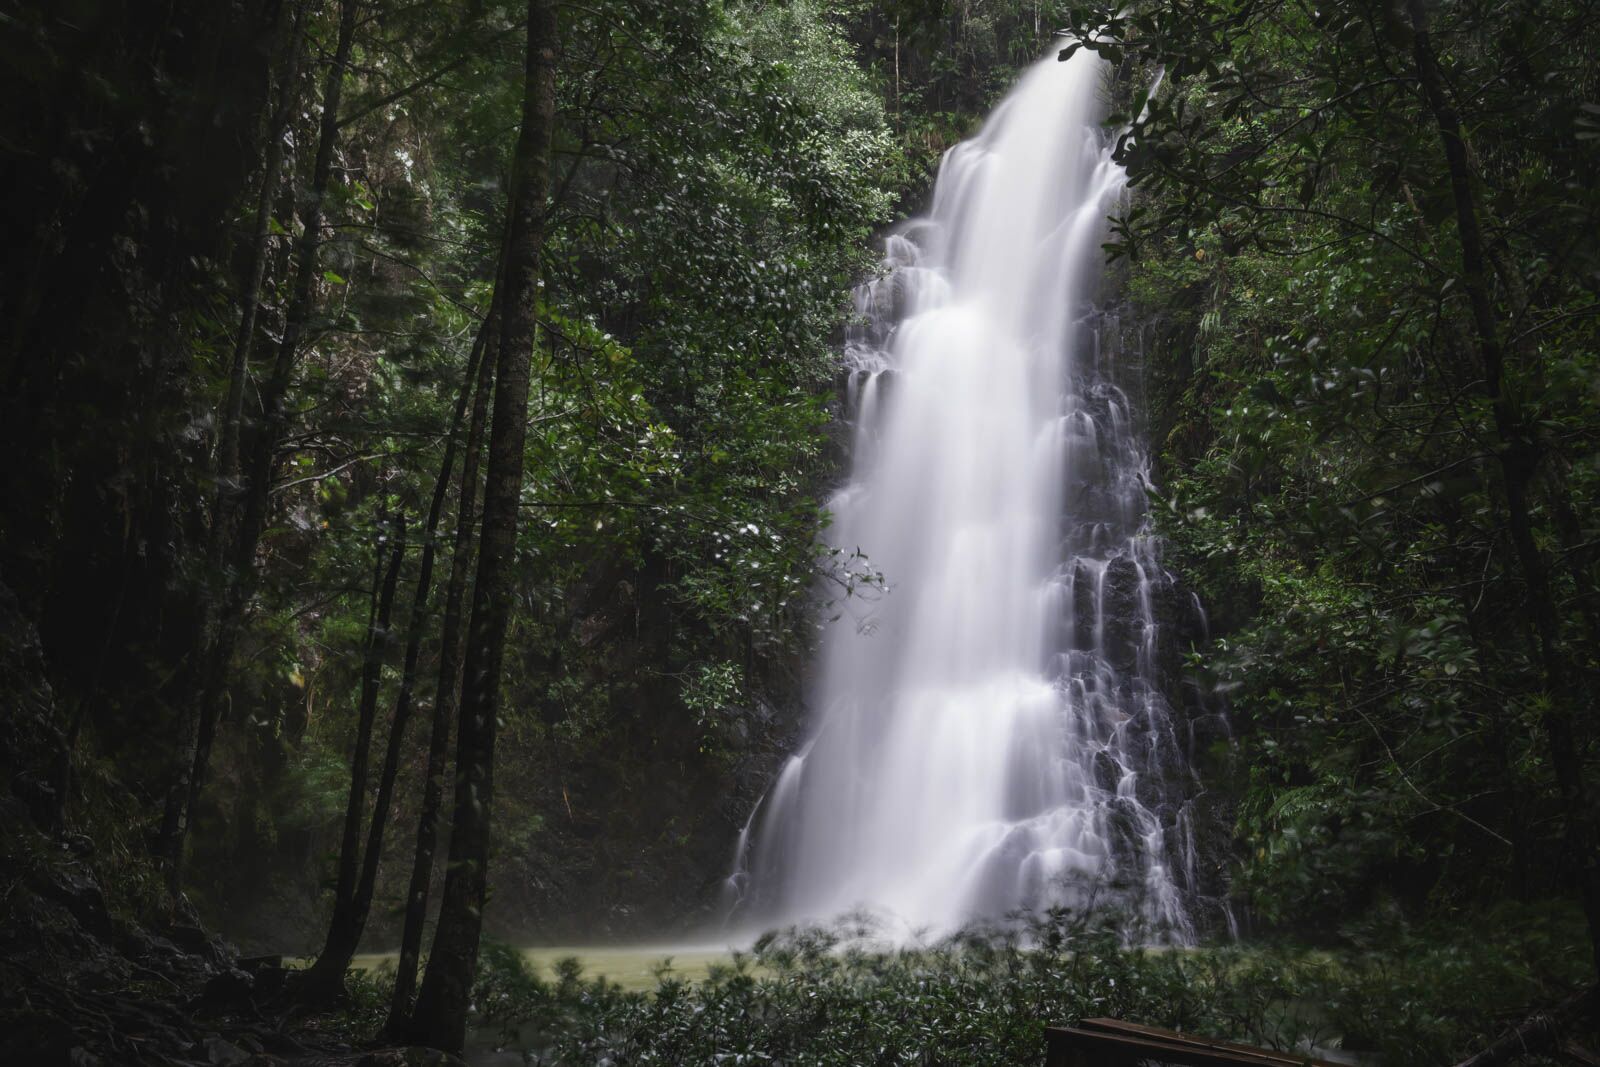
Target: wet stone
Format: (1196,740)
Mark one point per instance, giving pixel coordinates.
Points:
(1107,773)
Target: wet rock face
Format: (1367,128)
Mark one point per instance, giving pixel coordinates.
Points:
(1085,606)
(636,829)
(1130,622)
(1196,812)
(1107,771)
(1128,841)
(1122,623)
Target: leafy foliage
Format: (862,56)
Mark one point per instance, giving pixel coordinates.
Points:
(826,997)
(1347,465)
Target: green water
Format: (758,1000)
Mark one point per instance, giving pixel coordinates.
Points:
(632,967)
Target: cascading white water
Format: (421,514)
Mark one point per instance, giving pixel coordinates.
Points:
(991,729)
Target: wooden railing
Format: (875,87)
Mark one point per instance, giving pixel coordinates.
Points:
(1112,1043)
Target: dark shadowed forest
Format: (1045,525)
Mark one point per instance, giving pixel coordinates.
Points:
(430,435)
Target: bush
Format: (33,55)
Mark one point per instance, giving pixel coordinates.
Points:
(828,997)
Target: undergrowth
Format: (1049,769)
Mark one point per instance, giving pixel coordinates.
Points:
(1400,993)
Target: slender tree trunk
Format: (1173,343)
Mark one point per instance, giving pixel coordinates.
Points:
(444,702)
(325,979)
(206,707)
(255,273)
(275,395)
(440,1018)
(1519,455)
(344,932)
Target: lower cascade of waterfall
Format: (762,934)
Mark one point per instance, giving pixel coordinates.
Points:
(994,728)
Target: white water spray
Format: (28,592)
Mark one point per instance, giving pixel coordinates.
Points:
(991,731)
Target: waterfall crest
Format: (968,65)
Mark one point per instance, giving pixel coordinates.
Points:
(991,732)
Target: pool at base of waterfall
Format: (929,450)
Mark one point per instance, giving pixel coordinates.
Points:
(633,967)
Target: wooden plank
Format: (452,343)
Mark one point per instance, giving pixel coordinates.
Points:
(1069,1047)
(1578,1054)
(1155,1033)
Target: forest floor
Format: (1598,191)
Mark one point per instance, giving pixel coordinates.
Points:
(1394,994)
(82,985)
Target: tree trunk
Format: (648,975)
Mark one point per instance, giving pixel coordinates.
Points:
(344,933)
(274,397)
(255,273)
(1519,455)
(441,1013)
(444,702)
(206,707)
(325,980)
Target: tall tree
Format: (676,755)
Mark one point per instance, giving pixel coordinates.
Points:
(254,274)
(446,694)
(325,979)
(440,1017)
(1520,453)
(353,899)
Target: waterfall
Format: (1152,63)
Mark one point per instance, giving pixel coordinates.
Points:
(991,730)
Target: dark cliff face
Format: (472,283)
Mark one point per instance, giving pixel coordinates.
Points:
(130,132)
(633,834)
(31,745)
